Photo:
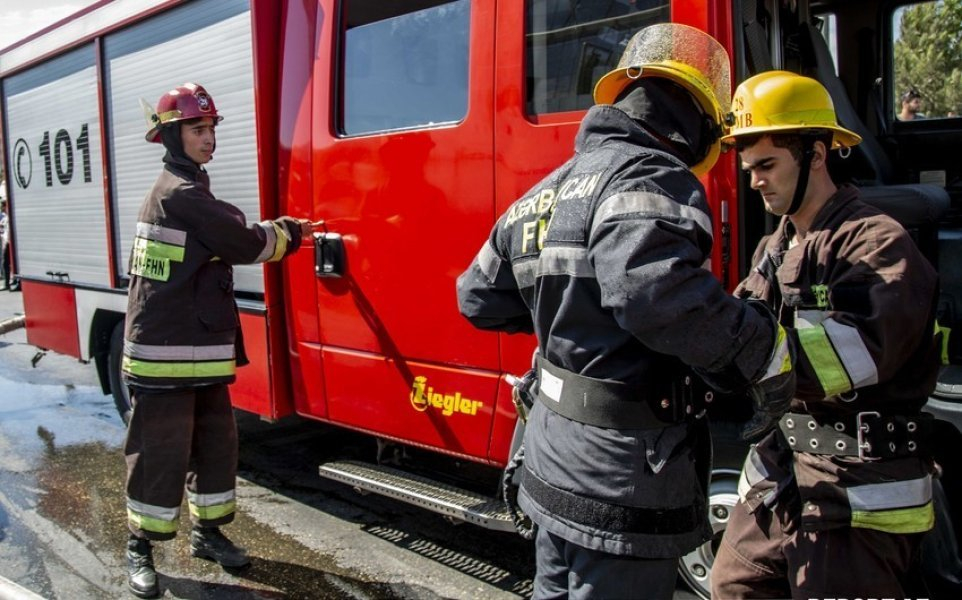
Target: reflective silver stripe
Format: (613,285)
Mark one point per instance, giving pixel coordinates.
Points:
(525,272)
(559,260)
(852,352)
(158,233)
(648,205)
(489,262)
(753,472)
(270,244)
(210,499)
(183,353)
(565,260)
(157,512)
(809,318)
(893,494)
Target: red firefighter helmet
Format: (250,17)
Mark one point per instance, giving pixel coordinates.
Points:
(188,101)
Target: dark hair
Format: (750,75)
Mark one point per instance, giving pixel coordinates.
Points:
(910,94)
(791,141)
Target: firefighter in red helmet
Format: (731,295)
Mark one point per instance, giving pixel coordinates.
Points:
(182,341)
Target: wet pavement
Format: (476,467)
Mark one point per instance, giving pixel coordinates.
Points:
(62,517)
(63,520)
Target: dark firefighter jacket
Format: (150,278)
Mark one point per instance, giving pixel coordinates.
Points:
(862,300)
(182,321)
(605,261)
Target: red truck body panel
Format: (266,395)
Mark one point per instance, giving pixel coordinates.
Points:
(381,349)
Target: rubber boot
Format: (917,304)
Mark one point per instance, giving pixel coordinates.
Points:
(141,576)
(210,543)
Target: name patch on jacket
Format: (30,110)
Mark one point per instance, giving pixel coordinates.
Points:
(151,259)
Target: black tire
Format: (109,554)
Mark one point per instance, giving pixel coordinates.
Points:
(695,567)
(118,388)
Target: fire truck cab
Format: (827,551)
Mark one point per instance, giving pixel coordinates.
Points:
(408,127)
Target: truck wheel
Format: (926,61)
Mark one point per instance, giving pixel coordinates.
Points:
(118,388)
(695,567)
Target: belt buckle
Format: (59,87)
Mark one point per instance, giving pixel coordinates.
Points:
(864,447)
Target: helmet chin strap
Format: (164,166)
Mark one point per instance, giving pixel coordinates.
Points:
(805,166)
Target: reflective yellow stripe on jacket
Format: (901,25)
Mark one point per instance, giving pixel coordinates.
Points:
(836,352)
(144,368)
(146,360)
(155,247)
(275,242)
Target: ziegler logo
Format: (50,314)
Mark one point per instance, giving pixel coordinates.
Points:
(423,396)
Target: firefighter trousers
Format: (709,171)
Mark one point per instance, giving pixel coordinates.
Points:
(764,555)
(567,570)
(177,439)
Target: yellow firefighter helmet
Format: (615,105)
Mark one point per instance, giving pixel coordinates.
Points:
(783,102)
(684,55)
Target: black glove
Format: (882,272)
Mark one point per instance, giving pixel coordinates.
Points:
(292,227)
(772,393)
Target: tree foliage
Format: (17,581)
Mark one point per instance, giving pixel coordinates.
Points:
(928,56)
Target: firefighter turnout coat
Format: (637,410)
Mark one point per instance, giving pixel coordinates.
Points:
(862,299)
(182,321)
(605,261)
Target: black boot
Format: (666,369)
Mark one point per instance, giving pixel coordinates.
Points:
(141,576)
(210,543)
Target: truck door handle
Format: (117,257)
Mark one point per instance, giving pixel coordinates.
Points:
(328,254)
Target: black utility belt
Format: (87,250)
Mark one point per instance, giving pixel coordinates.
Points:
(869,435)
(617,405)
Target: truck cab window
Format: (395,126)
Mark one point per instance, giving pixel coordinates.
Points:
(404,64)
(570,45)
(926,61)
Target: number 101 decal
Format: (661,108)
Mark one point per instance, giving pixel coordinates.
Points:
(57,157)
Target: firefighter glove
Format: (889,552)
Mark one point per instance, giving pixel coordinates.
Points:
(294,230)
(772,393)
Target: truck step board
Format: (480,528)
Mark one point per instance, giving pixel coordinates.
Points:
(447,500)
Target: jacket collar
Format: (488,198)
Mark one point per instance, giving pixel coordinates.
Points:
(186,168)
(606,124)
(840,200)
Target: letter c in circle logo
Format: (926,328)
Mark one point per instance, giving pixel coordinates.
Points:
(22,163)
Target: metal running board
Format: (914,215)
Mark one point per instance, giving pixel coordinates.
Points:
(447,500)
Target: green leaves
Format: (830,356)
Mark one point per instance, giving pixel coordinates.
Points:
(928,56)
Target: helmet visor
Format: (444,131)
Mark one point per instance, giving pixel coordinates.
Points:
(672,43)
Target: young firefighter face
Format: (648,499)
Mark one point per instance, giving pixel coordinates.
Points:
(198,137)
(774,173)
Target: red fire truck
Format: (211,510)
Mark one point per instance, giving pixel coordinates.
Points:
(407,127)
